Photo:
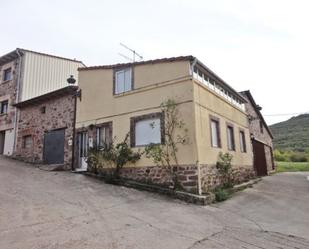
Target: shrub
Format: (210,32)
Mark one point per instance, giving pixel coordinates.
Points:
(113,156)
(175,134)
(224,166)
(221,194)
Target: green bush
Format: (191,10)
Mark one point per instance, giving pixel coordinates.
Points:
(224,166)
(290,156)
(297,157)
(221,194)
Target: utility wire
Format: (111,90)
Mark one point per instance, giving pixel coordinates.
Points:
(286,114)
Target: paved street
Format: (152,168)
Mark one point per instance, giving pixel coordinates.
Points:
(56,210)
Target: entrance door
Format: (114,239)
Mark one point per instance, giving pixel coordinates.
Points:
(2,139)
(259,158)
(83,149)
(53,152)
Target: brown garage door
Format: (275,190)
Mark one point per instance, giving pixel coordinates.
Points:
(259,158)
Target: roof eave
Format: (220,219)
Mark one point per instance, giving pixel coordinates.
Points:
(220,80)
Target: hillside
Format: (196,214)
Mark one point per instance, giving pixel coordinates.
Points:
(292,134)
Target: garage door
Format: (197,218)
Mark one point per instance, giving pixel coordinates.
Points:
(54,147)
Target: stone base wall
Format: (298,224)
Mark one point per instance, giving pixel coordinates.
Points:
(210,178)
(187,176)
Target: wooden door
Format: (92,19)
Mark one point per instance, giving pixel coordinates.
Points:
(260,164)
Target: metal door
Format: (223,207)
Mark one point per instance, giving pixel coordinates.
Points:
(259,158)
(54,147)
(2,140)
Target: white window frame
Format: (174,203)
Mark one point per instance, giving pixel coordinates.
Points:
(151,133)
(215,133)
(126,76)
(4,74)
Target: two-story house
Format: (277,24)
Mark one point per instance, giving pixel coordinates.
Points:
(122,98)
(32,84)
(261,137)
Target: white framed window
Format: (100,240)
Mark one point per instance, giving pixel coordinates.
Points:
(7,74)
(147,129)
(215,133)
(4,107)
(230,138)
(103,135)
(147,132)
(123,80)
(242,140)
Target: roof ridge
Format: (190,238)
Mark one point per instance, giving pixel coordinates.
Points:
(50,55)
(165,59)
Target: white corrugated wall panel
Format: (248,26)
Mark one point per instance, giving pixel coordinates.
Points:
(43,74)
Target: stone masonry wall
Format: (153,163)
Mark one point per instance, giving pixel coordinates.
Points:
(254,125)
(8,92)
(59,113)
(187,176)
(210,178)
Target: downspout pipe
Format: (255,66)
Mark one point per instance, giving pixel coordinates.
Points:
(192,66)
(198,166)
(17,97)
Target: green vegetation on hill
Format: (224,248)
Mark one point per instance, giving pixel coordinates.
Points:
(291,139)
(292,134)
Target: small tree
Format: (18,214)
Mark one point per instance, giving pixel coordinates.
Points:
(115,156)
(224,166)
(175,134)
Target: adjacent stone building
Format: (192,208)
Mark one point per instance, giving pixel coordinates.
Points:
(9,80)
(125,98)
(261,137)
(24,76)
(46,126)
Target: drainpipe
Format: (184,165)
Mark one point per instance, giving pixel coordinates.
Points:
(17,99)
(192,66)
(74,129)
(198,166)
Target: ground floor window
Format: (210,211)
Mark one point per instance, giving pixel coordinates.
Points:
(103,135)
(230,138)
(215,132)
(147,129)
(27,142)
(242,139)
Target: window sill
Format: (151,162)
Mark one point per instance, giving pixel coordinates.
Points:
(145,145)
(6,81)
(123,94)
(216,147)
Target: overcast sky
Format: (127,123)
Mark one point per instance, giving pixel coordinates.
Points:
(261,45)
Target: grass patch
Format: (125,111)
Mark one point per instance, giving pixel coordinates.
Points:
(292,166)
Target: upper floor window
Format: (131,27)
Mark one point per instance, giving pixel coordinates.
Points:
(261,127)
(4,107)
(215,133)
(7,74)
(230,138)
(242,140)
(123,81)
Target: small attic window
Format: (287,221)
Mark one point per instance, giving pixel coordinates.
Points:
(43,109)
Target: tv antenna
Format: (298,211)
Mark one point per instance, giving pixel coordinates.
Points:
(134,54)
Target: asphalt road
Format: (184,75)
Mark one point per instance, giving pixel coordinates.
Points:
(40,209)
